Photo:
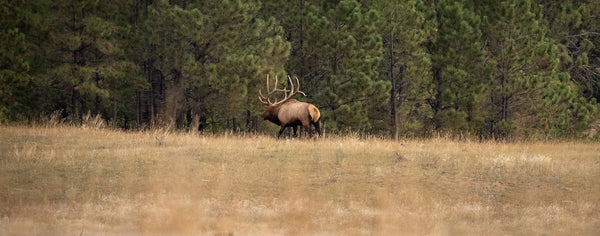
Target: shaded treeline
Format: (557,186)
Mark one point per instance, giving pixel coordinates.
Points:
(515,68)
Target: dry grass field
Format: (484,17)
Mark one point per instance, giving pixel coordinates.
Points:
(78,181)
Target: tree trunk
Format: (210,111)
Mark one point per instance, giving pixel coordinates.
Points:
(137,107)
(251,122)
(195,124)
(75,104)
(151,105)
(394,90)
(115,114)
(234,125)
(504,107)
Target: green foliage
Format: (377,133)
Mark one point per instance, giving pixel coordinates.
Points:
(511,68)
(406,27)
(346,48)
(15,77)
(461,76)
(529,93)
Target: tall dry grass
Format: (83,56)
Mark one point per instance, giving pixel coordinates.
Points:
(90,181)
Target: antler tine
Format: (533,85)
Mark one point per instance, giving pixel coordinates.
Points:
(262,97)
(287,93)
(291,83)
(275,86)
(298,89)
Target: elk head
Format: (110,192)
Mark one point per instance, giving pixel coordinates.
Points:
(288,111)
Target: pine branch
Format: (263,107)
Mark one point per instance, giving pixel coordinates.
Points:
(581,35)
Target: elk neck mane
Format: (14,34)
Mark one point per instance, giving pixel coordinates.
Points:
(273,111)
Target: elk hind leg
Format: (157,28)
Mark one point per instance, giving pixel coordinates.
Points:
(306,126)
(318,128)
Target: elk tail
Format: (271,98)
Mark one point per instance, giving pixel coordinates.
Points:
(313,114)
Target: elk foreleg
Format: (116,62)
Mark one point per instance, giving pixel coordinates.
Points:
(281,130)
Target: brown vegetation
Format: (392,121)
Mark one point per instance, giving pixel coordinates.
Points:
(87,181)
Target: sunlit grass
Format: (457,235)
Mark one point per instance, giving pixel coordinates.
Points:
(87,181)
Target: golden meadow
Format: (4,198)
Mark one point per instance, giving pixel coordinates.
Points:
(65,180)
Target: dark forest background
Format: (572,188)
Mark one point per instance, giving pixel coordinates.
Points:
(485,68)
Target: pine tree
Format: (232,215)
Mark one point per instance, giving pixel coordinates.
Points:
(124,77)
(460,74)
(210,56)
(510,68)
(15,78)
(343,49)
(574,98)
(81,51)
(526,88)
(244,49)
(406,29)
(167,32)
(575,26)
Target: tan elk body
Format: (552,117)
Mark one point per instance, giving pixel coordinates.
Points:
(290,112)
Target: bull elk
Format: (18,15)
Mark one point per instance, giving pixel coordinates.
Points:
(288,111)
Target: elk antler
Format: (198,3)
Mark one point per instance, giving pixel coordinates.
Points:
(267,100)
(261,96)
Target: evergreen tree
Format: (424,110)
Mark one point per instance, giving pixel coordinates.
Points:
(209,56)
(460,74)
(407,27)
(167,31)
(527,90)
(575,26)
(522,68)
(82,51)
(15,78)
(575,106)
(344,48)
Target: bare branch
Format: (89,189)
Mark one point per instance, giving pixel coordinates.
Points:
(582,34)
